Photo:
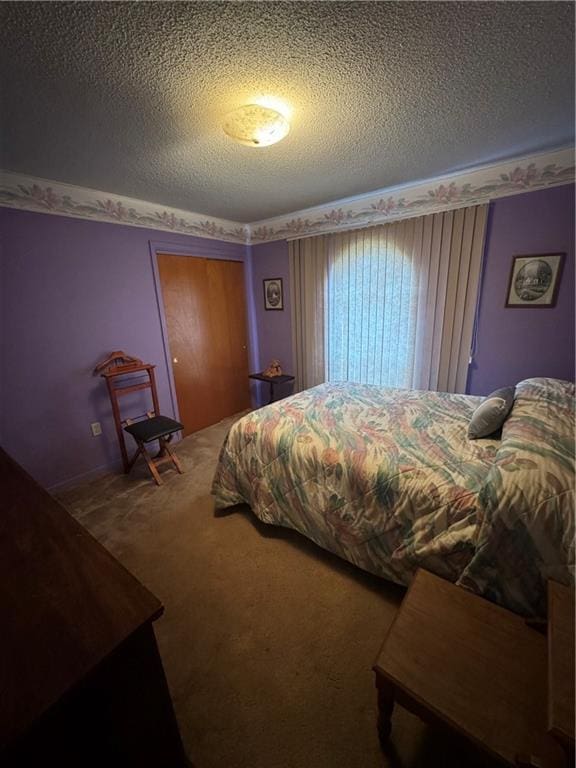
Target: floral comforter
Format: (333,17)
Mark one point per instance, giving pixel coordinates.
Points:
(388,480)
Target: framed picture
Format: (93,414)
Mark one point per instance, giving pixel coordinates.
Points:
(273,296)
(534,280)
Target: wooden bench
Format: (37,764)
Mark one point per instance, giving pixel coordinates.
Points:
(470,666)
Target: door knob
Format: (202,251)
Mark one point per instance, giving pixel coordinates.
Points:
(174,359)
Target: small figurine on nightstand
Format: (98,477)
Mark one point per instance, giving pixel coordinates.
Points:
(274,369)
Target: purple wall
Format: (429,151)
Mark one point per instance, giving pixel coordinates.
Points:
(274,327)
(512,344)
(73,291)
(515,344)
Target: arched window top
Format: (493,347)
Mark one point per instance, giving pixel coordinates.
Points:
(371,307)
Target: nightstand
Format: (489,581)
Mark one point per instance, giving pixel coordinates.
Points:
(272,380)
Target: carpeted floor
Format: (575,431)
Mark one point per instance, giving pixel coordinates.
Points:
(267,641)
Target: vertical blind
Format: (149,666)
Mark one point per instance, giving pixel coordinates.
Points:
(371,318)
(309,301)
(392,305)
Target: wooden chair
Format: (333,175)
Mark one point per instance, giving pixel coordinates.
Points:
(118,369)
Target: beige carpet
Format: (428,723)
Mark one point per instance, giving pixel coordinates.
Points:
(267,641)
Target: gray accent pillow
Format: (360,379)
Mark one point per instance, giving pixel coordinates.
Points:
(491,413)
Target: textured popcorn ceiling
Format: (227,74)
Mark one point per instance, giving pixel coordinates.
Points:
(130,97)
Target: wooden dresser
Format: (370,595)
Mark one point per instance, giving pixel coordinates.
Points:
(81,680)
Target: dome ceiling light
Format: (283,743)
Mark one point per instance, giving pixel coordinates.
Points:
(256,126)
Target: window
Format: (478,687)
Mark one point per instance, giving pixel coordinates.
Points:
(371,310)
(392,305)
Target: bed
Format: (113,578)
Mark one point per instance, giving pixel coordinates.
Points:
(388,480)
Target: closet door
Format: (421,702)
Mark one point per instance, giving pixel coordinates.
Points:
(205,308)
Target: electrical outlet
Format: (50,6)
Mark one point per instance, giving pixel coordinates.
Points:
(96,429)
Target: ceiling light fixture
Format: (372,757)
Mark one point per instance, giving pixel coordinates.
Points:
(256,126)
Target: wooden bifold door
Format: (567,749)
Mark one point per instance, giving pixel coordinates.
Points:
(205,309)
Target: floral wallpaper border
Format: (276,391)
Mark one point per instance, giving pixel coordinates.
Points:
(32,194)
(478,185)
(443,193)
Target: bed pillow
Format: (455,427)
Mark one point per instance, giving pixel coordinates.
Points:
(491,413)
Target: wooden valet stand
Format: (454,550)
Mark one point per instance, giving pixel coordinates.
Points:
(117,370)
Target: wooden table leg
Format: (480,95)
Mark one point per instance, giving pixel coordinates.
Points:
(385,708)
